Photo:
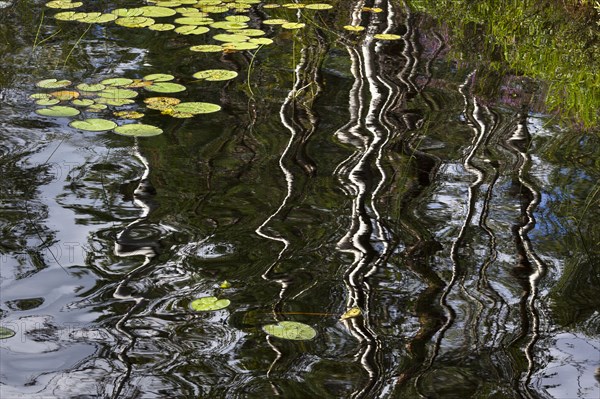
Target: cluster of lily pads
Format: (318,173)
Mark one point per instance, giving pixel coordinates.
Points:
(61,101)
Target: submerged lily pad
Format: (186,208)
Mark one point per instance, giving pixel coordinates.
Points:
(6,333)
(128,114)
(138,130)
(58,111)
(53,83)
(387,36)
(209,303)
(161,103)
(197,108)
(165,87)
(206,48)
(213,75)
(291,330)
(93,125)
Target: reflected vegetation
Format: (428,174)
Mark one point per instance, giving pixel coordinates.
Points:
(394,200)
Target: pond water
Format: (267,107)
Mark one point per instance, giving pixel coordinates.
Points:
(343,171)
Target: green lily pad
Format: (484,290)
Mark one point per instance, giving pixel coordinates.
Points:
(47,101)
(191,30)
(208,2)
(229,25)
(128,12)
(83,102)
(213,75)
(275,21)
(237,18)
(294,6)
(161,27)
(134,22)
(206,48)
(65,16)
(117,93)
(96,107)
(138,130)
(271,5)
(197,108)
(291,330)
(240,46)
(209,303)
(250,32)
(62,4)
(165,87)
(159,77)
(261,40)
(230,38)
(319,6)
(58,111)
(157,11)
(91,87)
(387,36)
(99,19)
(117,82)
(354,28)
(215,9)
(93,125)
(53,83)
(161,103)
(65,95)
(194,21)
(6,333)
(170,4)
(293,25)
(128,114)
(117,102)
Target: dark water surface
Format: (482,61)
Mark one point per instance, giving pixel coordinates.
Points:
(343,171)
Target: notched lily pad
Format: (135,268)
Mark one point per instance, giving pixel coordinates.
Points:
(138,130)
(117,93)
(58,111)
(293,25)
(165,87)
(93,125)
(91,87)
(6,333)
(117,82)
(213,75)
(230,38)
(159,77)
(291,330)
(191,30)
(82,102)
(53,83)
(197,108)
(209,303)
(128,114)
(47,101)
(161,103)
(206,48)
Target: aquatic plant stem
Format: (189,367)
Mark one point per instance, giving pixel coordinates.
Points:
(250,70)
(37,33)
(76,43)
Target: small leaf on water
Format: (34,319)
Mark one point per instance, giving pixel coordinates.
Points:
(229,25)
(138,130)
(319,6)
(387,36)
(117,82)
(128,12)
(196,21)
(165,87)
(161,27)
(294,6)
(40,96)
(161,103)
(116,102)
(290,330)
(58,111)
(230,38)
(93,125)
(134,22)
(261,40)
(237,18)
(6,333)
(213,75)
(159,77)
(47,101)
(240,46)
(225,284)
(293,25)
(352,312)
(197,108)
(275,21)
(65,95)
(82,102)
(250,32)
(53,83)
(91,87)
(354,28)
(62,4)
(191,30)
(128,114)
(209,303)
(157,11)
(206,48)
(117,93)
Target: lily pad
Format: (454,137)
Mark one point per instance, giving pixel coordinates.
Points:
(6,333)
(275,21)
(271,5)
(40,96)
(293,25)
(53,83)
(215,9)
(128,114)
(229,25)
(128,12)
(165,87)
(354,28)
(117,82)
(159,77)
(93,125)
(82,102)
(196,21)
(209,303)
(47,101)
(134,22)
(206,48)
(387,36)
(157,11)
(66,16)
(63,4)
(65,95)
(96,107)
(58,111)
(117,102)
(161,27)
(213,75)
(261,40)
(230,38)
(138,130)
(91,87)
(191,30)
(117,93)
(250,32)
(352,312)
(291,330)
(294,6)
(161,103)
(319,6)
(197,108)
(240,46)
(237,18)
(99,19)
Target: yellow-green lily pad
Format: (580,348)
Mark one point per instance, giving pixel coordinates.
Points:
(40,96)
(196,21)
(354,28)
(161,103)
(291,330)
(138,130)
(213,75)
(117,93)
(197,108)
(387,36)
(209,303)
(98,19)
(165,87)
(128,114)
(58,111)
(161,27)
(240,46)
(230,38)
(206,48)
(6,333)
(237,18)
(63,4)
(53,83)
(117,82)
(134,22)
(229,25)
(117,102)
(159,77)
(250,32)
(82,102)
(128,12)
(261,40)
(47,101)
(275,21)
(319,6)
(191,30)
(91,87)
(157,11)
(293,25)
(93,125)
